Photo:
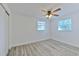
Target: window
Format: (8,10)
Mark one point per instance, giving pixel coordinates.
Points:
(41,25)
(65,25)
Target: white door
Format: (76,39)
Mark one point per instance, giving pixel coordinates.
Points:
(3,32)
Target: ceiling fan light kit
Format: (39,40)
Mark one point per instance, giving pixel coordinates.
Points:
(48,16)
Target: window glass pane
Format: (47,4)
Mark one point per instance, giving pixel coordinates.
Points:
(64,25)
(41,25)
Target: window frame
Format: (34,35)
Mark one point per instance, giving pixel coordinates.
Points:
(37,25)
(69,25)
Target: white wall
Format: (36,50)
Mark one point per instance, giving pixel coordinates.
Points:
(71,37)
(23,30)
(3,32)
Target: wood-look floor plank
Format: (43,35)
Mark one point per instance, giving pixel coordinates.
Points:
(45,48)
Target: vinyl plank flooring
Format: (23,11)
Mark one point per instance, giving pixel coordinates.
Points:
(48,47)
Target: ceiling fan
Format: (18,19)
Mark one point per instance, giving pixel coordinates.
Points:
(50,13)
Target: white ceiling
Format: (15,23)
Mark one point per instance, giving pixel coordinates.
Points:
(30,9)
(34,9)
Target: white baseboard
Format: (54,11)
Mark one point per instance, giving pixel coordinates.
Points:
(68,43)
(28,42)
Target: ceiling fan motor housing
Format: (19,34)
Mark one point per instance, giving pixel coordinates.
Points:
(49,12)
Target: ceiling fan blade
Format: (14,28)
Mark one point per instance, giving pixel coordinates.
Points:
(57,10)
(44,10)
(55,15)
